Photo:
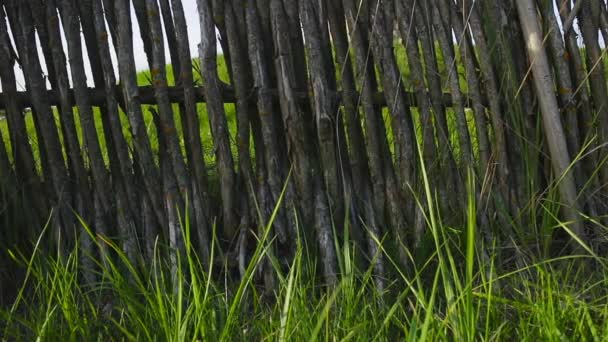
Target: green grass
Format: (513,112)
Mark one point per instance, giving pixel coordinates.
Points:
(456,294)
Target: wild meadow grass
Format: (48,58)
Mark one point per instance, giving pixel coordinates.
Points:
(461,292)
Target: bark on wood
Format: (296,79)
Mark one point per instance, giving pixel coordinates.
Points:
(556,138)
(76,164)
(306,167)
(139,6)
(589,21)
(296,41)
(323,107)
(428,149)
(387,196)
(401,120)
(57,171)
(121,165)
(37,9)
(175,169)
(557,50)
(87,20)
(420,13)
(499,146)
(583,104)
(146,96)
(266,111)
(467,56)
(141,141)
(241,78)
(191,123)
(444,34)
(313,83)
(23,158)
(360,198)
(402,129)
(217,119)
(71,27)
(374,127)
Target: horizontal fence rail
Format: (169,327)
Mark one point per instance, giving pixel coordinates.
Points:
(97,97)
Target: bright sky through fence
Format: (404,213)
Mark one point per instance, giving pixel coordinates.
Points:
(141,63)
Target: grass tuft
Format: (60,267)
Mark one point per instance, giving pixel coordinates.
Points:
(456,294)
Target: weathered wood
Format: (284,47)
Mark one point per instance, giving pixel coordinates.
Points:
(589,20)
(242,80)
(58,174)
(121,166)
(217,6)
(499,146)
(467,55)
(217,119)
(306,165)
(359,196)
(265,103)
(171,34)
(296,41)
(410,40)
(270,179)
(22,156)
(429,151)
(71,27)
(87,21)
(323,107)
(139,6)
(74,153)
(404,141)
(130,93)
(191,124)
(177,188)
(444,34)
(554,132)
(98,96)
(110,15)
(420,13)
(292,112)
(373,124)
(586,120)
(37,8)
(401,122)
(557,50)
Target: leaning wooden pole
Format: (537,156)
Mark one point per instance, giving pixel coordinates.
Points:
(141,141)
(57,171)
(121,166)
(217,118)
(554,131)
(191,124)
(306,165)
(23,158)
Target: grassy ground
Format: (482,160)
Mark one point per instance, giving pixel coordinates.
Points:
(458,293)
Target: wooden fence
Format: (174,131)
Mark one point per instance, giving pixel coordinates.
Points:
(350,112)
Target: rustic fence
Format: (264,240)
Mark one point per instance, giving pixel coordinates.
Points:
(350,112)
